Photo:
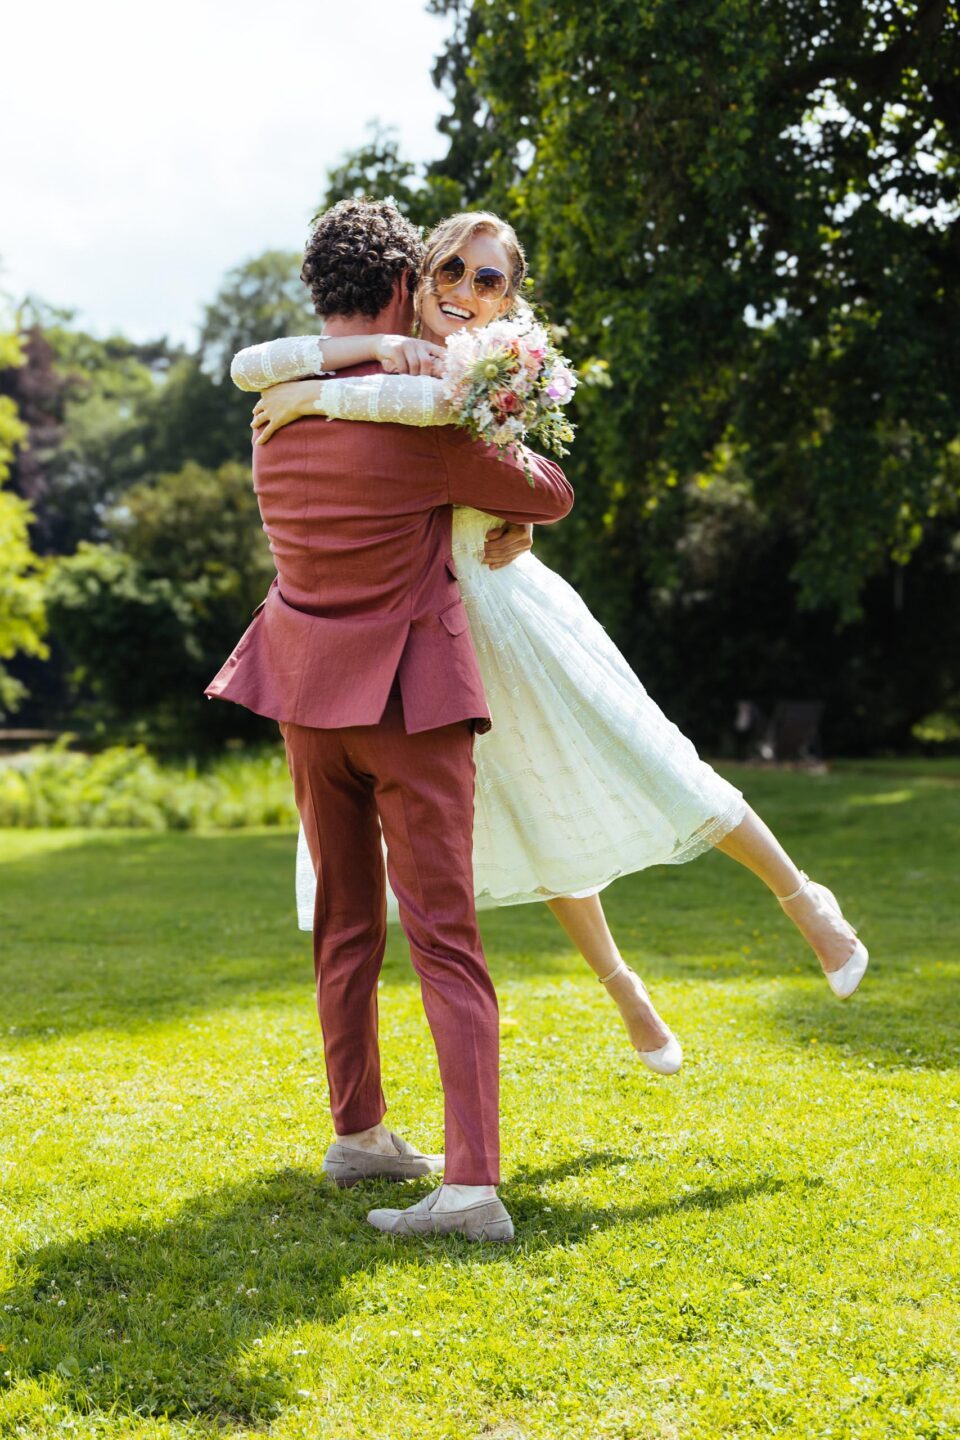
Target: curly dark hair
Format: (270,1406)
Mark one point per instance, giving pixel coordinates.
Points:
(356,253)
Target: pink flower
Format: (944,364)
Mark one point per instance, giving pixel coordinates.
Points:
(506,402)
(561,385)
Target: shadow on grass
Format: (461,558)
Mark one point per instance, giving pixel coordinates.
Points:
(123,931)
(577,1222)
(162,1319)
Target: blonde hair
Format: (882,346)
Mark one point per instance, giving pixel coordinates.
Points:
(449,237)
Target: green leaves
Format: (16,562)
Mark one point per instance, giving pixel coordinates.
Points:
(22,613)
(22,617)
(693,162)
(185,565)
(258,300)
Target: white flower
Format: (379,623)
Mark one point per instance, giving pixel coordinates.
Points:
(506,382)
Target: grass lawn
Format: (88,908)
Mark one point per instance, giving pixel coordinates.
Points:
(765,1245)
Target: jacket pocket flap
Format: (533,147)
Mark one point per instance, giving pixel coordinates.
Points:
(455,618)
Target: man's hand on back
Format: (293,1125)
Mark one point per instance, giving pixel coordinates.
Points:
(505,543)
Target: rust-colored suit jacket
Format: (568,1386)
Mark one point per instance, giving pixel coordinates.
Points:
(358,516)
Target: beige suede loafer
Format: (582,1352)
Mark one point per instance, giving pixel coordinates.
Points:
(347,1165)
(484,1220)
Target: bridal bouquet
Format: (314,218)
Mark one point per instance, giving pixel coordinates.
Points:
(507,382)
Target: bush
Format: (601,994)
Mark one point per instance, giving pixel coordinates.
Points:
(144,621)
(125,788)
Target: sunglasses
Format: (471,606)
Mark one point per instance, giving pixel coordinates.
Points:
(487,283)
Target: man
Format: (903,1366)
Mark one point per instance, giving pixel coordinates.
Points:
(362,652)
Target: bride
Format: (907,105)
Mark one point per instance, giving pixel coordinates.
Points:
(582,777)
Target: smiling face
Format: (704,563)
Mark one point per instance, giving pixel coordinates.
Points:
(444,311)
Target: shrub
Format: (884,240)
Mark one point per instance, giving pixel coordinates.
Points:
(124,787)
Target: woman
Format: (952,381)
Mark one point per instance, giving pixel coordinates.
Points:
(582,778)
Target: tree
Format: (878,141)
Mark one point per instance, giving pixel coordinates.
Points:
(117,433)
(84,401)
(37,390)
(13,432)
(200,415)
(146,618)
(378,170)
(258,300)
(196,416)
(104,415)
(476,162)
(752,215)
(749,218)
(22,615)
(22,619)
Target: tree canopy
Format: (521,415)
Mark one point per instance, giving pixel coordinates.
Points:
(22,615)
(752,215)
(745,222)
(146,617)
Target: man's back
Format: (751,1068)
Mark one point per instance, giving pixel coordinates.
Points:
(358,517)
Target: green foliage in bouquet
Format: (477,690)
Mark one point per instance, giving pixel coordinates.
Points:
(507,384)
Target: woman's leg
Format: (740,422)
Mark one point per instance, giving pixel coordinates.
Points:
(586,925)
(754,845)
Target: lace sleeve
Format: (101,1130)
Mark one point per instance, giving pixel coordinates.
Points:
(389,399)
(294,358)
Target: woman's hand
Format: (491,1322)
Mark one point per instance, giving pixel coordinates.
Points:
(284,403)
(399,355)
(505,543)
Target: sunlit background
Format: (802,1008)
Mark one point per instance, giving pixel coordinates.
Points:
(745,236)
(743,221)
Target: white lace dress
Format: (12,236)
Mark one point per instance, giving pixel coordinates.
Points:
(582,777)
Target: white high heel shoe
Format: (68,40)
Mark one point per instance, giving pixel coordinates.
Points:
(668,1059)
(844,981)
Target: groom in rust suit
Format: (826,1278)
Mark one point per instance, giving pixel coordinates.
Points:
(362,652)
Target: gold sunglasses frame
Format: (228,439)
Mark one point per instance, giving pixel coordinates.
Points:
(473,272)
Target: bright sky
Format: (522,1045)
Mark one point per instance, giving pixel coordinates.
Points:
(152,147)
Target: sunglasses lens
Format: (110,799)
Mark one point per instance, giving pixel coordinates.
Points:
(490,283)
(450,272)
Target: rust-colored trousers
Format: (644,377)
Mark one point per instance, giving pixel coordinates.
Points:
(421,788)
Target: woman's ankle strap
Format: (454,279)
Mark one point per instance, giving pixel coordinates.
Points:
(618,969)
(804,882)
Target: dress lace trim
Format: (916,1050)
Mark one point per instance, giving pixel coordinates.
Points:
(384,399)
(294,358)
(387,400)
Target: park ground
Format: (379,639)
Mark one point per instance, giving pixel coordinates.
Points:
(765,1245)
